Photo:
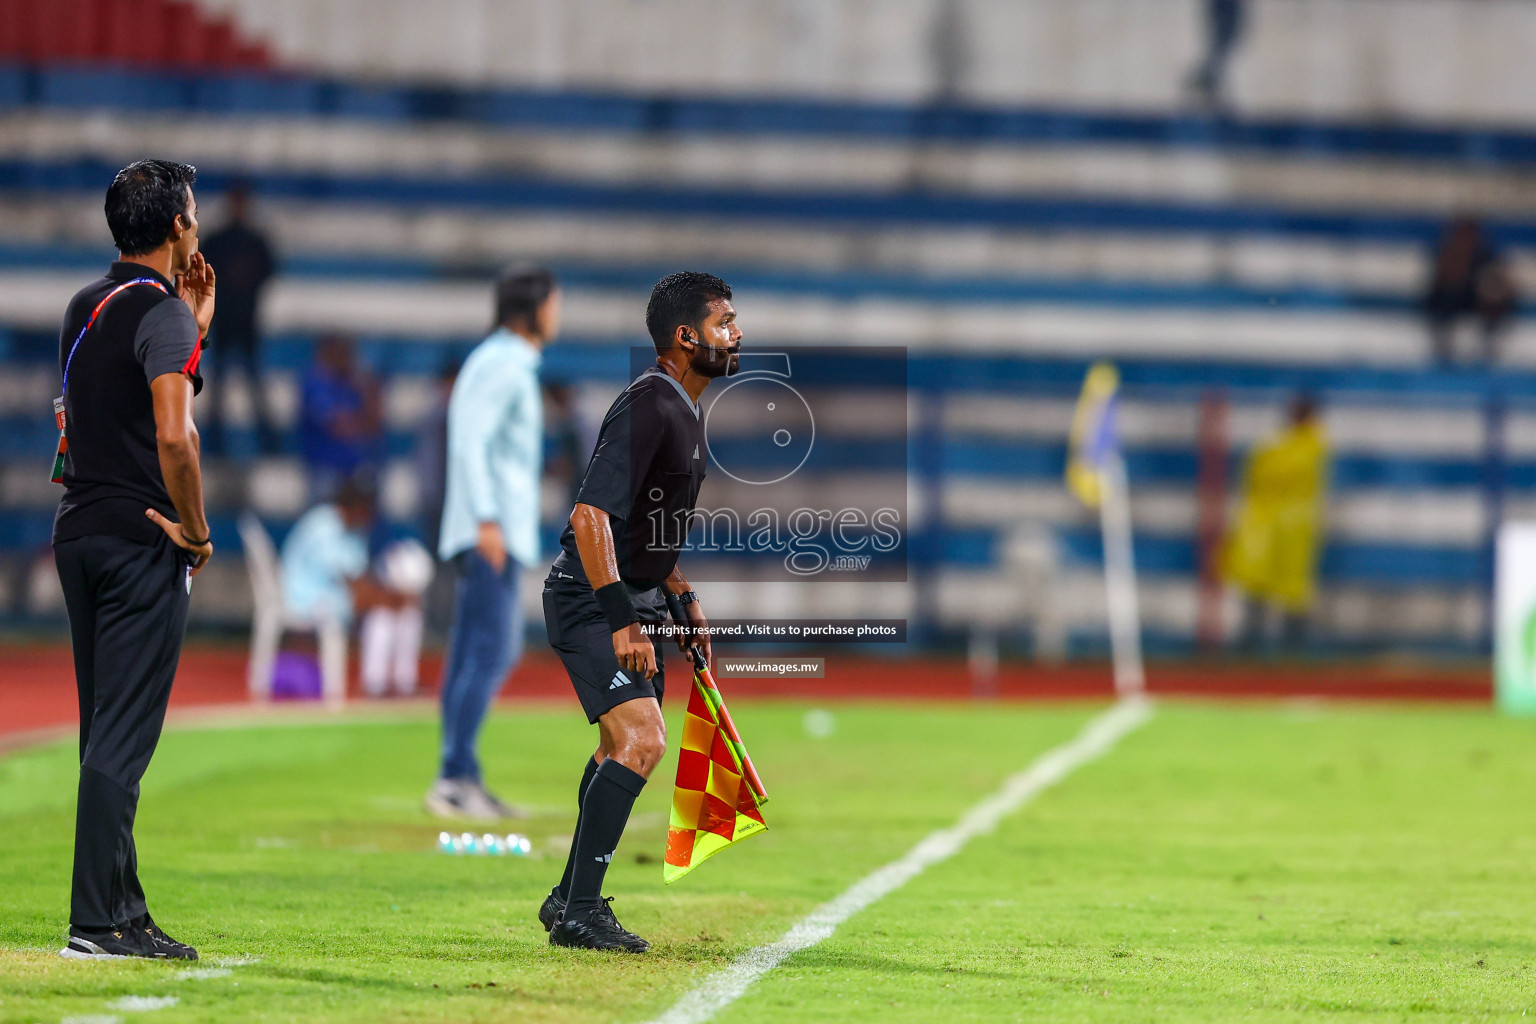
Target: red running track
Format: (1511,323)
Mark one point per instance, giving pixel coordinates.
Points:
(37,688)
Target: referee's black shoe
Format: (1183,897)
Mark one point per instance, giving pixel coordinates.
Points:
(598,930)
(553,907)
(173,950)
(112,945)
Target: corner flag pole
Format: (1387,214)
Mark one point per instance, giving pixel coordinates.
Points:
(1096,474)
(1120,578)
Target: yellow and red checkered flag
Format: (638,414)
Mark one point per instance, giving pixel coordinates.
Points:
(718,797)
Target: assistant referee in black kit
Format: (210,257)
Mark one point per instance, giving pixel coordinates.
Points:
(645,470)
(130,532)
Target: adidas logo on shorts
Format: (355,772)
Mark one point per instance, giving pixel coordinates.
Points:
(619,679)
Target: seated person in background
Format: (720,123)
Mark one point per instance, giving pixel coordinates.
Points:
(341,426)
(325,574)
(1471,278)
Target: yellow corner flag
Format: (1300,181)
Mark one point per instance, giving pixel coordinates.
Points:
(717,799)
(1093,433)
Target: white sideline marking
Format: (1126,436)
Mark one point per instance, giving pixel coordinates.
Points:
(727,985)
(205,973)
(93,1018)
(138,1004)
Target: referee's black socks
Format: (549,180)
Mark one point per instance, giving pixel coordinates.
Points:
(563,890)
(604,812)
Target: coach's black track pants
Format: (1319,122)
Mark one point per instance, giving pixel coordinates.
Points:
(127,607)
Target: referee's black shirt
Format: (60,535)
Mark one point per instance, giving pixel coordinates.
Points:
(645,472)
(112,469)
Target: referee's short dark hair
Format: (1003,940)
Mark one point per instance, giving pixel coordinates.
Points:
(680,299)
(144,201)
(520,290)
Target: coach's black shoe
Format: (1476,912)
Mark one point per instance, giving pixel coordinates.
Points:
(112,945)
(553,907)
(598,930)
(173,950)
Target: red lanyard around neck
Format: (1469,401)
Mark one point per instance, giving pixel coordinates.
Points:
(97,312)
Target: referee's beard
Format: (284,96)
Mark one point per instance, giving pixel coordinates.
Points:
(713,362)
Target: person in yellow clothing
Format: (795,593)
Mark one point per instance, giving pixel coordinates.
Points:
(1271,552)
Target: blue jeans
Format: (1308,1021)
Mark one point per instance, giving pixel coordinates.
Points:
(484,645)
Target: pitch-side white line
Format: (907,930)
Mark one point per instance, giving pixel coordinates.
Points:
(724,987)
(140,1004)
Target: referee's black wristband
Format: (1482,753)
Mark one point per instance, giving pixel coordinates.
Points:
(617,608)
(196,543)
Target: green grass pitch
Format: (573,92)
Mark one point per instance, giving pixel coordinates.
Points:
(1254,862)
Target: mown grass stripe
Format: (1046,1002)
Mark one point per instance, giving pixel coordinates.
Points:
(724,987)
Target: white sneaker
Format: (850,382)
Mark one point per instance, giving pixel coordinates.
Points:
(482,800)
(447,800)
(461,799)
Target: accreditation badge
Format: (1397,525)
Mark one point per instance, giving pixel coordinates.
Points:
(58,459)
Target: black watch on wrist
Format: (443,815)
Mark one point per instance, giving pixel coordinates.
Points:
(687,597)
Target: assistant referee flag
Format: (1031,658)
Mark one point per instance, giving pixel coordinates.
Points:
(717,799)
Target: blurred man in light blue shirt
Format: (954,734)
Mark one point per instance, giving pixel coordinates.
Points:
(491,524)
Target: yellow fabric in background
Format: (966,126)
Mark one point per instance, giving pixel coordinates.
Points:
(1271,552)
(1092,435)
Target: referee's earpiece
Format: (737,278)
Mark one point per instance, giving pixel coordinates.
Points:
(716,352)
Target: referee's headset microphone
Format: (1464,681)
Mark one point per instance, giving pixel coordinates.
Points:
(716,352)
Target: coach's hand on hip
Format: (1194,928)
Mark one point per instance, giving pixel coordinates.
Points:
(202,552)
(634,650)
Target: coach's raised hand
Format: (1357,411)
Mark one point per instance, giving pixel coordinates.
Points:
(195,288)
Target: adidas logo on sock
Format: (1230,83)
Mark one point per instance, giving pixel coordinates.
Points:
(619,679)
(606,858)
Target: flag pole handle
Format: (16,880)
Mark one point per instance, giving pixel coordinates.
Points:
(712,694)
(717,699)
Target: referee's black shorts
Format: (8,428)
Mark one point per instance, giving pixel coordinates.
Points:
(580,635)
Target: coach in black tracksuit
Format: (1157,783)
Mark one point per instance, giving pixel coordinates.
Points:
(617,556)
(130,532)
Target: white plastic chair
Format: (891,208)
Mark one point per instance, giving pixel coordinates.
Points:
(271,618)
